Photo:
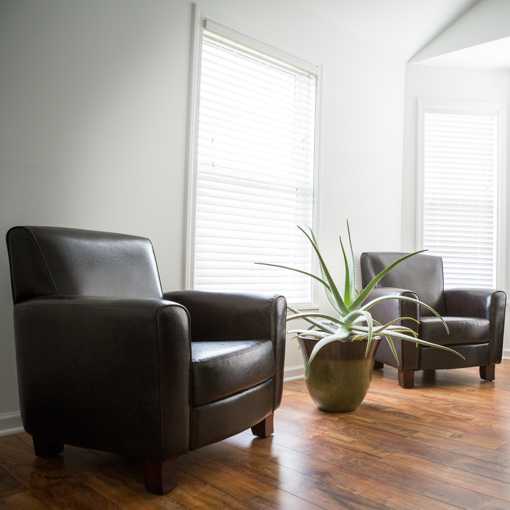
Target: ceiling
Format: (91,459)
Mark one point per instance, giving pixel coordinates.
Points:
(489,55)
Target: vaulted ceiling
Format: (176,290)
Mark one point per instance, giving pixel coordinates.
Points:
(480,38)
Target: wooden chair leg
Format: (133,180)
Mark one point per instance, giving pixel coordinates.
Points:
(488,372)
(429,376)
(47,448)
(406,378)
(264,428)
(160,476)
(378,365)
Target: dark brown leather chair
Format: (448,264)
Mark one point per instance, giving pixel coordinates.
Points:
(475,317)
(108,361)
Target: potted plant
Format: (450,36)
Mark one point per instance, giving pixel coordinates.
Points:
(339,348)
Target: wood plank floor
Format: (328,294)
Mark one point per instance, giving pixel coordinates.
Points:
(443,445)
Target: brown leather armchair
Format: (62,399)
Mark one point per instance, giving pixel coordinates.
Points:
(475,317)
(106,360)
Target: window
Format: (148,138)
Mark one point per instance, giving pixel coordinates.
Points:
(460,158)
(254,170)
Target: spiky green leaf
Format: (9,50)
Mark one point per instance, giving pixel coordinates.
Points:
(426,343)
(353,278)
(363,295)
(304,315)
(306,273)
(327,274)
(380,299)
(393,349)
(308,332)
(347,271)
(340,334)
(312,322)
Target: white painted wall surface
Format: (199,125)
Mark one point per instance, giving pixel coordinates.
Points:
(94,97)
(443,85)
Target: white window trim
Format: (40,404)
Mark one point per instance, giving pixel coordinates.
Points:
(200,23)
(430,105)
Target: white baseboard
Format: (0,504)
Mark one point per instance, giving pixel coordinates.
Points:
(10,423)
(506,353)
(293,373)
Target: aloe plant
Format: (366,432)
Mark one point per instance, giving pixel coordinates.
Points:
(352,319)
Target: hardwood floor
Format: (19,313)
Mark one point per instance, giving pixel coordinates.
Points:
(443,445)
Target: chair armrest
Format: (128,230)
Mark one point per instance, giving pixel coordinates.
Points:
(473,302)
(484,303)
(106,373)
(237,316)
(389,310)
(231,316)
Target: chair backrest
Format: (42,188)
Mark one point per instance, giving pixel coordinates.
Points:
(51,261)
(422,274)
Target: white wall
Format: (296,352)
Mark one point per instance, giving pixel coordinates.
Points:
(93,102)
(443,84)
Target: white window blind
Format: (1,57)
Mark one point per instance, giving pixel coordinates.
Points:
(254,171)
(460,168)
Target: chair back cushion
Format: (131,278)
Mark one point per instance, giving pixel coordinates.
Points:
(48,261)
(422,274)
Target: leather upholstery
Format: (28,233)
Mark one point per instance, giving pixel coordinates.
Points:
(485,303)
(221,369)
(50,261)
(230,316)
(105,362)
(477,355)
(224,418)
(96,372)
(422,274)
(476,316)
(463,330)
(387,311)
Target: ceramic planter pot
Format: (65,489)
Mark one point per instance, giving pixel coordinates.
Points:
(340,374)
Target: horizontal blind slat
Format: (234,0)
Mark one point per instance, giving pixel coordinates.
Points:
(459,195)
(254,182)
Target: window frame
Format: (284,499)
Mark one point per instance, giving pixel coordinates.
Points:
(200,24)
(426,105)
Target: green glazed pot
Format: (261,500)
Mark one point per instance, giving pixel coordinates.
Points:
(340,374)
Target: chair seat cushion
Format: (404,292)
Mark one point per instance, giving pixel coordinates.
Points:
(463,330)
(223,368)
